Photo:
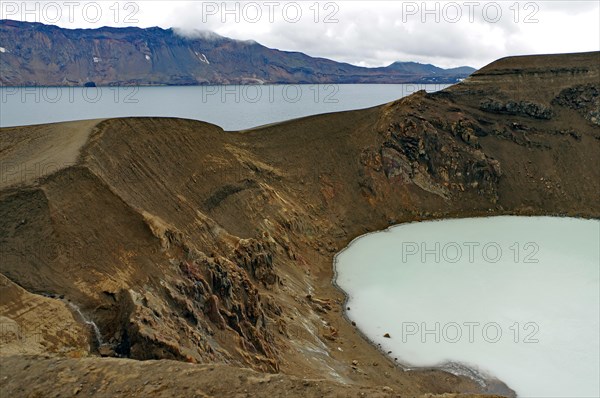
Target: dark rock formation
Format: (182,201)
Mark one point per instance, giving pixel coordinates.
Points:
(522,108)
(583,98)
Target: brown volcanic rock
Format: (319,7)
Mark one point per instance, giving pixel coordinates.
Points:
(34,324)
(115,378)
(182,241)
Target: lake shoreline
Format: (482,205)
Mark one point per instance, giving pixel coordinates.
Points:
(489,383)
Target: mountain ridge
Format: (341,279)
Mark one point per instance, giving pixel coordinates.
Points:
(35,54)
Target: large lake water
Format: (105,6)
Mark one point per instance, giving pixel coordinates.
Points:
(517,298)
(231,107)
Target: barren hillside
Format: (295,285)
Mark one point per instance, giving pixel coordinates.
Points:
(184,242)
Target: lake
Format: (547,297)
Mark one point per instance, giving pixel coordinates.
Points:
(231,107)
(517,298)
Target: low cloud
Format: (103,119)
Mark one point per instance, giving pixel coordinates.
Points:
(189,33)
(377,33)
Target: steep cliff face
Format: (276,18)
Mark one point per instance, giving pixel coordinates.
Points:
(37,54)
(182,241)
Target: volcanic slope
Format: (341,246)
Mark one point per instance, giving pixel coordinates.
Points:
(182,242)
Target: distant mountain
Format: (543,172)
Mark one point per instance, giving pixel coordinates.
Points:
(417,68)
(37,54)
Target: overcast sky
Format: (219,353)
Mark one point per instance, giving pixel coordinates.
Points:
(364,33)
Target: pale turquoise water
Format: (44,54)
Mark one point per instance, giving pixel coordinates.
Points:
(517,298)
(231,107)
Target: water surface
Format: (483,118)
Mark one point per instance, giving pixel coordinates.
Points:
(517,298)
(231,107)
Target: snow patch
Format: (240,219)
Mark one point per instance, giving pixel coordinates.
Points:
(2,50)
(202,58)
(96,60)
(147,58)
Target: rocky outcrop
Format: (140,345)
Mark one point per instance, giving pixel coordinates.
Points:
(522,108)
(585,99)
(414,151)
